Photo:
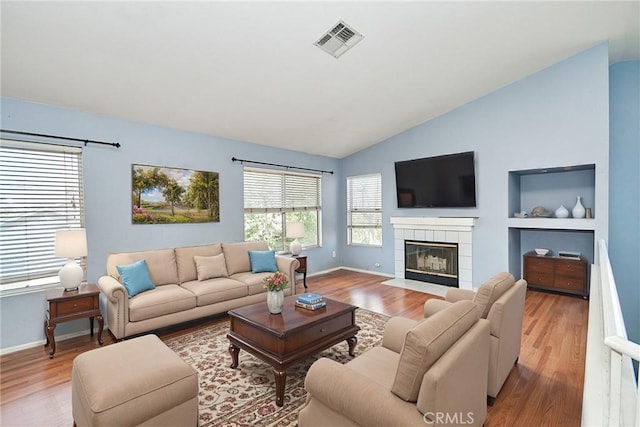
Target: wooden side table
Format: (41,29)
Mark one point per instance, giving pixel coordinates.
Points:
(302,259)
(71,305)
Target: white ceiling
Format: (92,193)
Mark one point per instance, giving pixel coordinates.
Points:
(249,70)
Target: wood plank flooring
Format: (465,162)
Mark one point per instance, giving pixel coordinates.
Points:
(543,389)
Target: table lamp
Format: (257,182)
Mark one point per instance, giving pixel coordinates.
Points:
(71,244)
(295,230)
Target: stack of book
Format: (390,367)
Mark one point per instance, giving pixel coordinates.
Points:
(310,301)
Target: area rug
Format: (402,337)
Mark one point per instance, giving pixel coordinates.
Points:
(245,396)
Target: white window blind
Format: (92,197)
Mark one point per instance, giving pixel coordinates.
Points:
(364,209)
(40,192)
(275,191)
(272,198)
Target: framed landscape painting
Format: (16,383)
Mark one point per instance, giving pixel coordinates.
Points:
(173,196)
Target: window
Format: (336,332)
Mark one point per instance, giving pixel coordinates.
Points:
(364,210)
(273,198)
(40,192)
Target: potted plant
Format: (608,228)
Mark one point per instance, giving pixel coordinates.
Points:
(275,284)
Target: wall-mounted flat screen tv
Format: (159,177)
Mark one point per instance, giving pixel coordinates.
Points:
(447,181)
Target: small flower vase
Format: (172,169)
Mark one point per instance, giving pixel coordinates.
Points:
(578,210)
(275,300)
(562,212)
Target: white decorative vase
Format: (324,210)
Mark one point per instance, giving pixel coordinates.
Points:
(578,210)
(562,212)
(275,300)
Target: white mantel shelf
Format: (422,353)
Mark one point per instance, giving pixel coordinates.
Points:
(433,223)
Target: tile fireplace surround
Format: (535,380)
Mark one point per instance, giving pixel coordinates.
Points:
(431,229)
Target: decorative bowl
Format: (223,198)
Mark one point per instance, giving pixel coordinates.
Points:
(541,252)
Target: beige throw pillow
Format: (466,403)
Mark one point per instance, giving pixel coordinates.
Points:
(491,290)
(209,267)
(426,342)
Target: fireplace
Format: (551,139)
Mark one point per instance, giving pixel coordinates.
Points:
(433,262)
(431,229)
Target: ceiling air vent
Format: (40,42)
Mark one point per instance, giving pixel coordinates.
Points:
(338,39)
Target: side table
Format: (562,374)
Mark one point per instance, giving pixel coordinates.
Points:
(71,305)
(302,259)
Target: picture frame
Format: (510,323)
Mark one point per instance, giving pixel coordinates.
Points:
(166,195)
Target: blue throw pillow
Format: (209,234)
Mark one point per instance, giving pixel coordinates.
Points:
(263,261)
(135,277)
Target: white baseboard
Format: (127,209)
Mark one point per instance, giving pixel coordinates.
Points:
(377,273)
(38,343)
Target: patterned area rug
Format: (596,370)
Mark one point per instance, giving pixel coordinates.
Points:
(246,396)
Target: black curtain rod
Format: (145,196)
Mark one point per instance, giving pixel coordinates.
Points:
(43,135)
(282,166)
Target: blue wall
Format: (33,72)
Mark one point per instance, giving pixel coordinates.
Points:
(624,190)
(556,117)
(107,180)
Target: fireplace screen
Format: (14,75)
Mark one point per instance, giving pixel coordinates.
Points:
(431,262)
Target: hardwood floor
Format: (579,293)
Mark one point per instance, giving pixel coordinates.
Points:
(543,389)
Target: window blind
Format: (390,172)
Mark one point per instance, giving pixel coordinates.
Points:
(40,192)
(364,206)
(276,191)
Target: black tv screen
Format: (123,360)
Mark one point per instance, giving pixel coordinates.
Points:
(447,181)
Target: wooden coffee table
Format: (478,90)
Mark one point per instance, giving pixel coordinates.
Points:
(284,339)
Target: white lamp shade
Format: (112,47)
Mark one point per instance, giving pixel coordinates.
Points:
(295,229)
(71,243)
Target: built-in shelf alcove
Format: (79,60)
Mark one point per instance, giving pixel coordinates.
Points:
(550,188)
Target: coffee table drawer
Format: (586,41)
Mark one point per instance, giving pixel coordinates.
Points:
(317,332)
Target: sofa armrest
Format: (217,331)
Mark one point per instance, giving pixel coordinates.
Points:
(288,266)
(395,331)
(456,294)
(117,304)
(356,397)
(432,306)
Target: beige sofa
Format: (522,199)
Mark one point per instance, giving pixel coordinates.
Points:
(178,295)
(432,372)
(501,301)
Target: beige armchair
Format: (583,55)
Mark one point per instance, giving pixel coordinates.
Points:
(501,301)
(432,372)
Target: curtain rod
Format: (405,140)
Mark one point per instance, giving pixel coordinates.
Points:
(43,135)
(242,161)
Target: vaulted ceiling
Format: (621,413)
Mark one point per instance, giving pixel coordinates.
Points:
(249,71)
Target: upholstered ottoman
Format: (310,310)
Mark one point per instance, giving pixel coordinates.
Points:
(135,382)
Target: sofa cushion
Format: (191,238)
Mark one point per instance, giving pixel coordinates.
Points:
(135,277)
(491,290)
(162,300)
(216,290)
(263,261)
(210,267)
(236,255)
(426,342)
(379,364)
(185,260)
(161,264)
(254,281)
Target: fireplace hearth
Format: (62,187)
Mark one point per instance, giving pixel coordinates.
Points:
(433,262)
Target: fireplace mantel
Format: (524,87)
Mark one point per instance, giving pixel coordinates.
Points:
(426,222)
(437,229)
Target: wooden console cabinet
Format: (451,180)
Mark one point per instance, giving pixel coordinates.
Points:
(556,274)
